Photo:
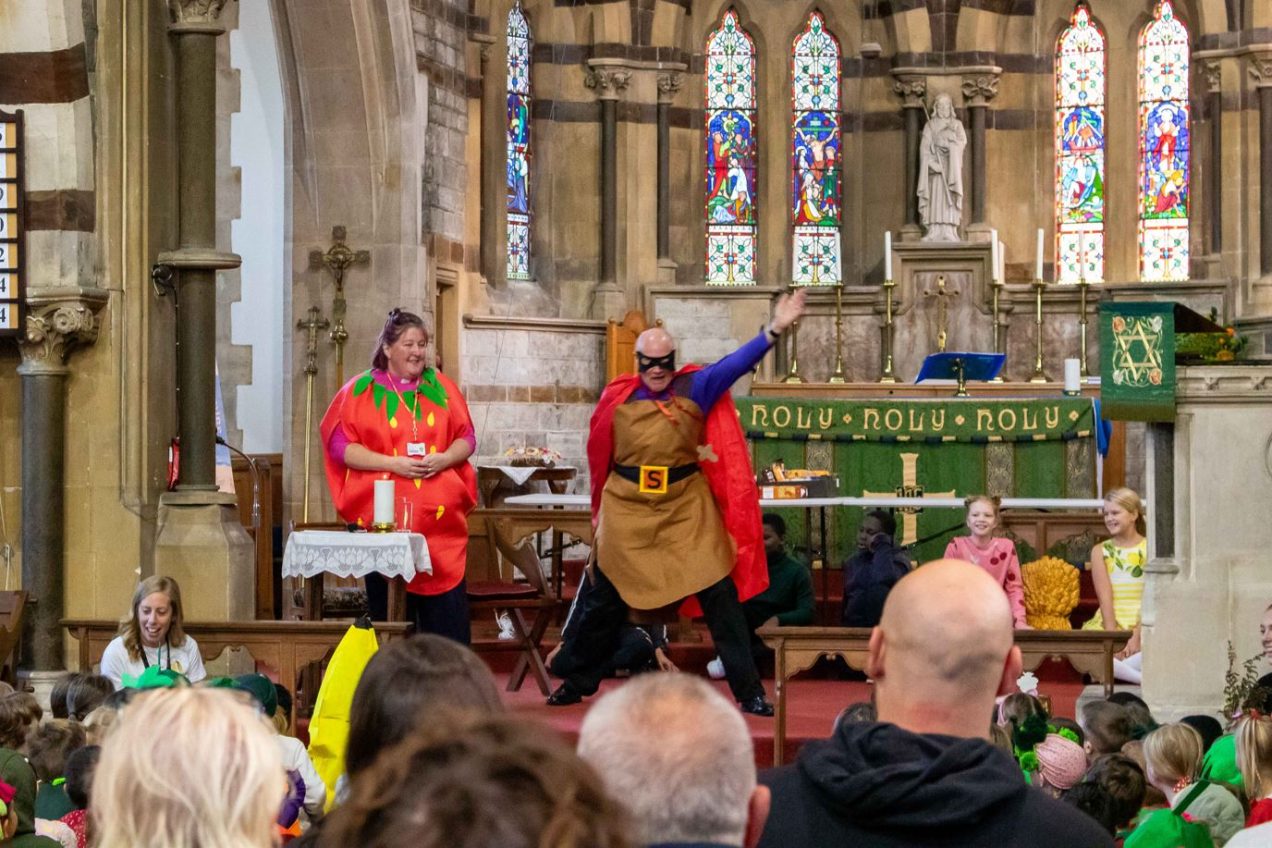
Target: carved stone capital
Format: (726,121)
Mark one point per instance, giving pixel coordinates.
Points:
(1260,69)
(57,322)
(608,83)
(198,12)
(912,91)
(669,86)
(1213,73)
(981,89)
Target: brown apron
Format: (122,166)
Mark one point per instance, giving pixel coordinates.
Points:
(658,549)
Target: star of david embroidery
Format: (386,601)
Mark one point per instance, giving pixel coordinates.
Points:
(1139,352)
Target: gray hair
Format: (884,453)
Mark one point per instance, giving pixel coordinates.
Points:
(677,754)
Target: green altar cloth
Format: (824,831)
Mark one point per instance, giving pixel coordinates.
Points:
(1025,448)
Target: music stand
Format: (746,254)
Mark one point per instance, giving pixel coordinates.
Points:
(961,367)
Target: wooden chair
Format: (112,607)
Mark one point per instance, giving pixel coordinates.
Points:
(517,598)
(620,343)
(12,605)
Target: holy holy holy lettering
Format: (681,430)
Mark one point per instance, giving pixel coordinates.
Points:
(1041,419)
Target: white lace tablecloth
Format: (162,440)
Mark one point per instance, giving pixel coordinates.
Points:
(313,552)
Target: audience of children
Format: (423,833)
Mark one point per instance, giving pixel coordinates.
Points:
(429,700)
(995,554)
(873,570)
(1117,571)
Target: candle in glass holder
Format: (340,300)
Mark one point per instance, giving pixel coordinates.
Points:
(383,510)
(1072,377)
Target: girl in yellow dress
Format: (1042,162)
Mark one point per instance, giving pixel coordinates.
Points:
(1117,570)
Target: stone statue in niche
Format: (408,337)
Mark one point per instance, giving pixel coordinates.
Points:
(940,189)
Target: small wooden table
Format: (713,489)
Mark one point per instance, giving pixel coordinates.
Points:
(797,648)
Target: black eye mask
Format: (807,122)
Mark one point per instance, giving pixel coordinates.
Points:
(645,363)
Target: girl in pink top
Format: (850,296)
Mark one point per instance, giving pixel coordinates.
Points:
(992,553)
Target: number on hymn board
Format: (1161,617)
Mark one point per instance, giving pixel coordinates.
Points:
(5,323)
(4,286)
(6,133)
(6,195)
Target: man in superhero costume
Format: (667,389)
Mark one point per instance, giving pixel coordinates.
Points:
(675,508)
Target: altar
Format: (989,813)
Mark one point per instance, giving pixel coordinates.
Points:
(915,441)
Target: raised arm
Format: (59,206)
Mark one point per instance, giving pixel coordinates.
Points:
(714,380)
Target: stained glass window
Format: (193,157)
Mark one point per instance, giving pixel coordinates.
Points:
(518,140)
(1164,143)
(815,155)
(1079,133)
(730,161)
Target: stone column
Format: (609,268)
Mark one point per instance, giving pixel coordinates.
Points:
(912,91)
(608,82)
(978,91)
(668,86)
(201,541)
(57,321)
(493,134)
(1214,105)
(1261,72)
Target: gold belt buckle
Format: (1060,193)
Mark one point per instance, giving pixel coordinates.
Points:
(653,479)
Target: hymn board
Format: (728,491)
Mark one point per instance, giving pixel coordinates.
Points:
(11,224)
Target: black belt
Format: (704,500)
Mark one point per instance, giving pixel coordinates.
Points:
(674,474)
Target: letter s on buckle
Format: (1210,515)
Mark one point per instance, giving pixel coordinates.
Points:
(653,479)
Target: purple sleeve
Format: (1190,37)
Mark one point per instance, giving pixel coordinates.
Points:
(336,445)
(469,435)
(714,380)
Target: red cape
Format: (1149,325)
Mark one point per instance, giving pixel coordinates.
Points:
(731,480)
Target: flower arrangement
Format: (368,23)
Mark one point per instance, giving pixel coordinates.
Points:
(1211,347)
(529,457)
(1051,593)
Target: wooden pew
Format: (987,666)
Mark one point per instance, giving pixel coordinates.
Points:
(284,647)
(796,649)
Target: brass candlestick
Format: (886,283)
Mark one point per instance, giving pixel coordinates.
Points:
(838,375)
(999,342)
(1083,285)
(1039,376)
(338,259)
(792,376)
(887,376)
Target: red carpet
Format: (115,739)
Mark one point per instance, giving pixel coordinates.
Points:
(811,709)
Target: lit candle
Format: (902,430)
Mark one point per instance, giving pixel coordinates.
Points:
(993,256)
(887,255)
(1038,262)
(383,511)
(1072,377)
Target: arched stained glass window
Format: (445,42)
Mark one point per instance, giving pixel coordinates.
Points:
(518,140)
(1079,134)
(1164,145)
(815,155)
(730,160)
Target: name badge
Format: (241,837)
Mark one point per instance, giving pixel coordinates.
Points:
(416,449)
(653,479)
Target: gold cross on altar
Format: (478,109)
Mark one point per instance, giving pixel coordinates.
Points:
(909,488)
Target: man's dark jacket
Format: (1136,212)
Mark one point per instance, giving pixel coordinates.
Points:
(875,785)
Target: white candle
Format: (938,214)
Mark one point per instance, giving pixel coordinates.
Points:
(887,255)
(1002,262)
(383,512)
(993,256)
(1038,269)
(1072,376)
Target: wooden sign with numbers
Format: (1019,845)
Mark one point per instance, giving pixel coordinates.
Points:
(12,224)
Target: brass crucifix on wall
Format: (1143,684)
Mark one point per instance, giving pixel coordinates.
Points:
(942,295)
(338,259)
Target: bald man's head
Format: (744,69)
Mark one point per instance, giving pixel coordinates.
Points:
(944,644)
(656,358)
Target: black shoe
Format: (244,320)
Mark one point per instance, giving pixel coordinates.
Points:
(758,705)
(566,694)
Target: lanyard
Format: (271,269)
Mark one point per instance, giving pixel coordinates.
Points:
(145,663)
(415,427)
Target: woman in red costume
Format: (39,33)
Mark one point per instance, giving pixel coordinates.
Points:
(403,420)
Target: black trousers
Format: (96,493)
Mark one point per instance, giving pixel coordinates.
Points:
(603,614)
(445,614)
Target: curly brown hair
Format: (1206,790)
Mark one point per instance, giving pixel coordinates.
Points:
(19,712)
(496,780)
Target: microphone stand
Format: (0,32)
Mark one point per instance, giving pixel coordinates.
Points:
(256,497)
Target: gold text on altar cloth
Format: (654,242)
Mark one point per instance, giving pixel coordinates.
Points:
(909,418)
